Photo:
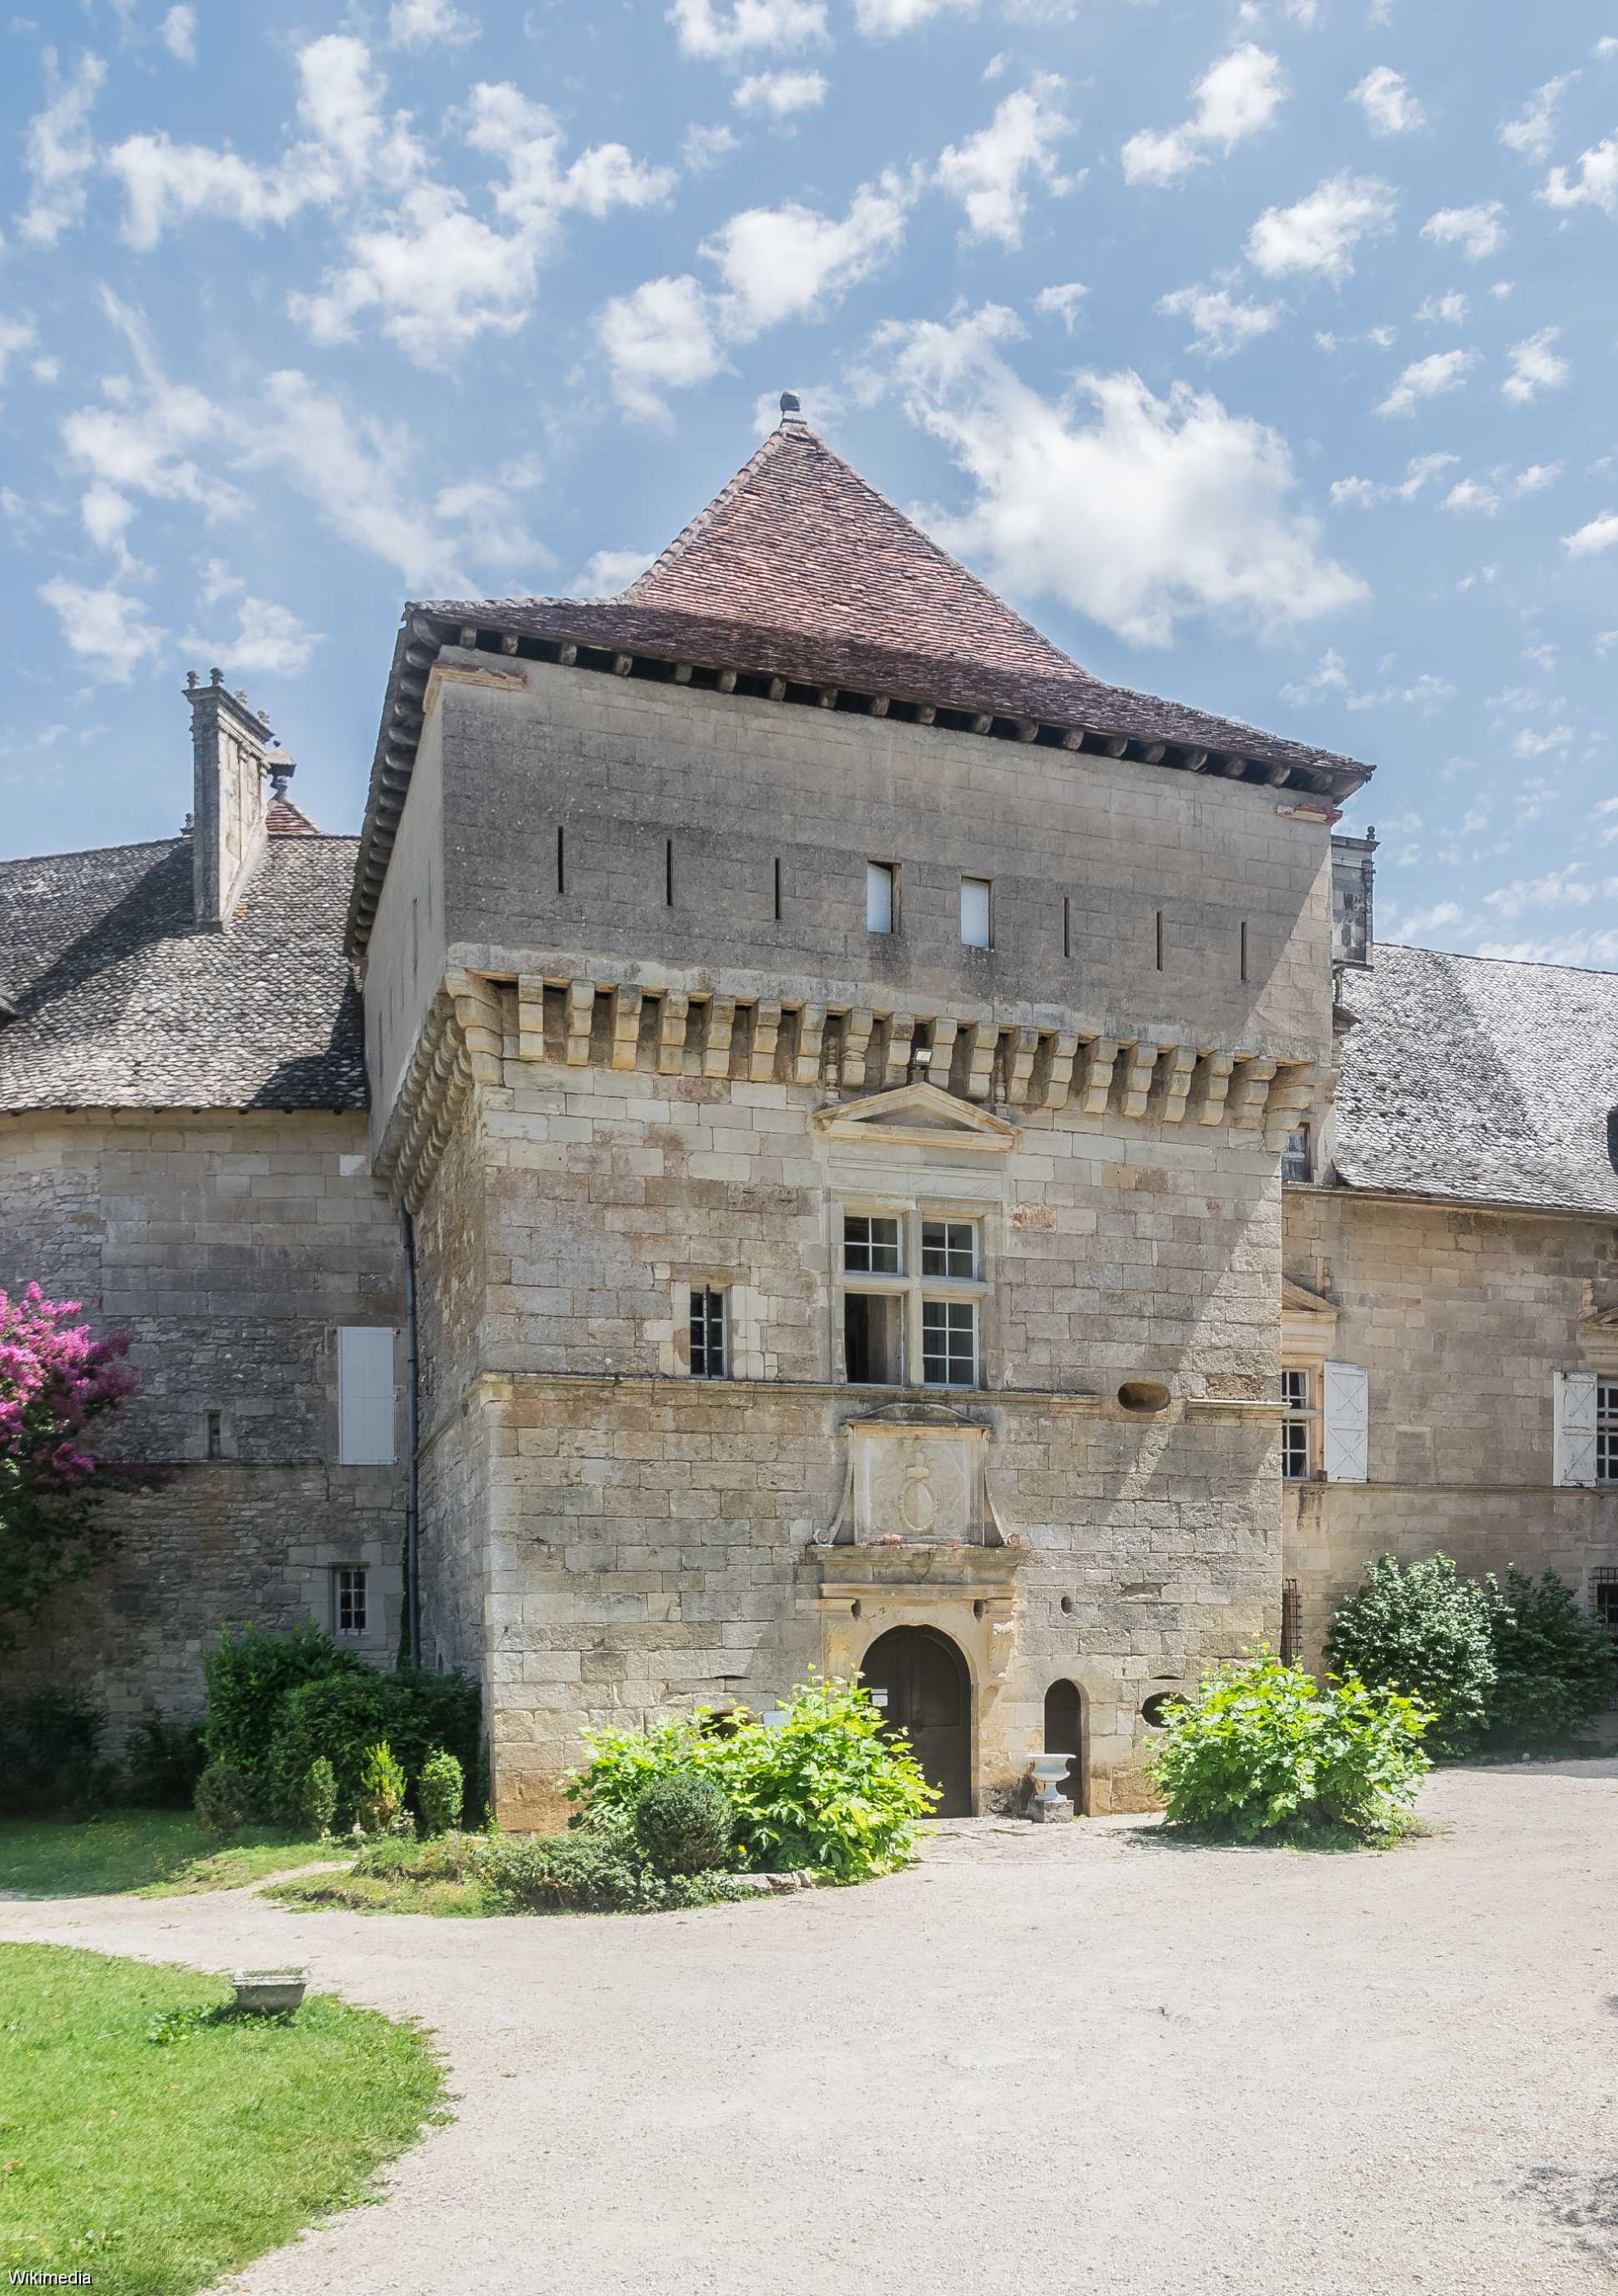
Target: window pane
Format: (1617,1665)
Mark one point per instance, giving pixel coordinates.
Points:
(1606,1432)
(708,1335)
(1295,1157)
(871,1347)
(1294,1389)
(949,1248)
(879,898)
(1295,1450)
(949,1342)
(870,1247)
(975,912)
(350,1602)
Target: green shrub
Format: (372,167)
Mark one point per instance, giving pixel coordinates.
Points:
(251,1675)
(221,1802)
(1554,1664)
(163,1762)
(1262,1750)
(381,1804)
(49,1748)
(827,1788)
(447,1858)
(596,1869)
(1416,1627)
(343,1716)
(441,1793)
(317,1805)
(682,1824)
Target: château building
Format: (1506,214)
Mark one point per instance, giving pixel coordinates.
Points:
(806,1132)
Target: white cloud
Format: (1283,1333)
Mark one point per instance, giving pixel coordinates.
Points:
(1605,46)
(18,334)
(1060,303)
(1472,494)
(1558,889)
(1535,366)
(1135,510)
(1536,478)
(987,173)
(103,627)
(717,34)
(58,150)
(782,92)
(266,641)
(1446,310)
(1427,378)
(1220,322)
(608,572)
(782,263)
(1364,492)
(178,33)
(1390,108)
(1591,183)
(428,24)
(881,19)
(144,438)
(527,140)
(701,148)
(1476,231)
(1502,288)
(1234,99)
(1329,676)
(1605,640)
(1534,131)
(661,338)
(1382,338)
(439,276)
(1321,233)
(1592,948)
(1528,743)
(1591,539)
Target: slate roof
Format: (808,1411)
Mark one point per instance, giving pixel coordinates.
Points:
(122,1003)
(798,569)
(1480,1079)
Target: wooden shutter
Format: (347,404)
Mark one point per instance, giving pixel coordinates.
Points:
(1347,1398)
(1575,1402)
(364,1395)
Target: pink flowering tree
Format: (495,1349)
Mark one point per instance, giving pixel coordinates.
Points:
(56,1383)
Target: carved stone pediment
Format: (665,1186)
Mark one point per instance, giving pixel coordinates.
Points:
(918,1475)
(917,1116)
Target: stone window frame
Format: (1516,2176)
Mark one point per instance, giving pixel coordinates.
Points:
(745,1307)
(350,1571)
(1305,1416)
(1607,1427)
(911,1286)
(720,1292)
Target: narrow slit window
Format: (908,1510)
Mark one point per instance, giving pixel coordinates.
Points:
(777,889)
(1297,1439)
(1297,1160)
(562,865)
(710,1337)
(216,1435)
(879,896)
(975,912)
(1067,925)
(1243,959)
(1160,940)
(349,1604)
(1292,1622)
(669,876)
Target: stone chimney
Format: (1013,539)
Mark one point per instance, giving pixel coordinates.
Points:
(230,748)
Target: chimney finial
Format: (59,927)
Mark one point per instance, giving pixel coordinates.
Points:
(791,406)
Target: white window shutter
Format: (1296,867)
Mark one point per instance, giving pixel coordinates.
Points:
(1347,1398)
(1575,1399)
(364,1395)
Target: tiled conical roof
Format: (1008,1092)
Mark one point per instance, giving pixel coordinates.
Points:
(798,541)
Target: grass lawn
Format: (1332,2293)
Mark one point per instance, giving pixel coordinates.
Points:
(159,1852)
(155,2169)
(381,1893)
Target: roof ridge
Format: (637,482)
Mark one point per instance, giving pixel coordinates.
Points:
(1523,963)
(673,552)
(89,852)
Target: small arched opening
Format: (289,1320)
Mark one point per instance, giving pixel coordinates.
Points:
(929,1697)
(1065,1734)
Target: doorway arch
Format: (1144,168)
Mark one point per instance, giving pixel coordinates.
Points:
(1065,1734)
(930,1699)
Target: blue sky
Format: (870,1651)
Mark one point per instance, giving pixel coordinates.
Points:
(1263,354)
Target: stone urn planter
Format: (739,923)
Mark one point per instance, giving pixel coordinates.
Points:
(1050,1804)
(269,1992)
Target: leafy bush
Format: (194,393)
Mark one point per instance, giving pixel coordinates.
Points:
(595,1870)
(446,1858)
(317,1805)
(250,1676)
(49,1749)
(1263,1751)
(1554,1664)
(827,1788)
(382,1791)
(441,1793)
(1416,1627)
(221,1800)
(684,1823)
(343,1716)
(163,1762)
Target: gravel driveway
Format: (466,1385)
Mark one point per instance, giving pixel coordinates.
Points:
(1068,2059)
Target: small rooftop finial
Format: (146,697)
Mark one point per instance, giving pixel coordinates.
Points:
(791,406)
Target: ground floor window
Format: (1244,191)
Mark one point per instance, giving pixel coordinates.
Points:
(1606,1430)
(1604,1601)
(349,1608)
(1292,1622)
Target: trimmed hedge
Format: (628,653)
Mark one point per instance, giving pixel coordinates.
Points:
(344,1716)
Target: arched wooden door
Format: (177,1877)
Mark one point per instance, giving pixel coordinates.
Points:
(928,1698)
(1065,1734)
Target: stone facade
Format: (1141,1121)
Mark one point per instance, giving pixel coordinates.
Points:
(231,1247)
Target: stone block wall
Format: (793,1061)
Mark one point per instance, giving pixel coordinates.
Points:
(1462,1318)
(231,1247)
